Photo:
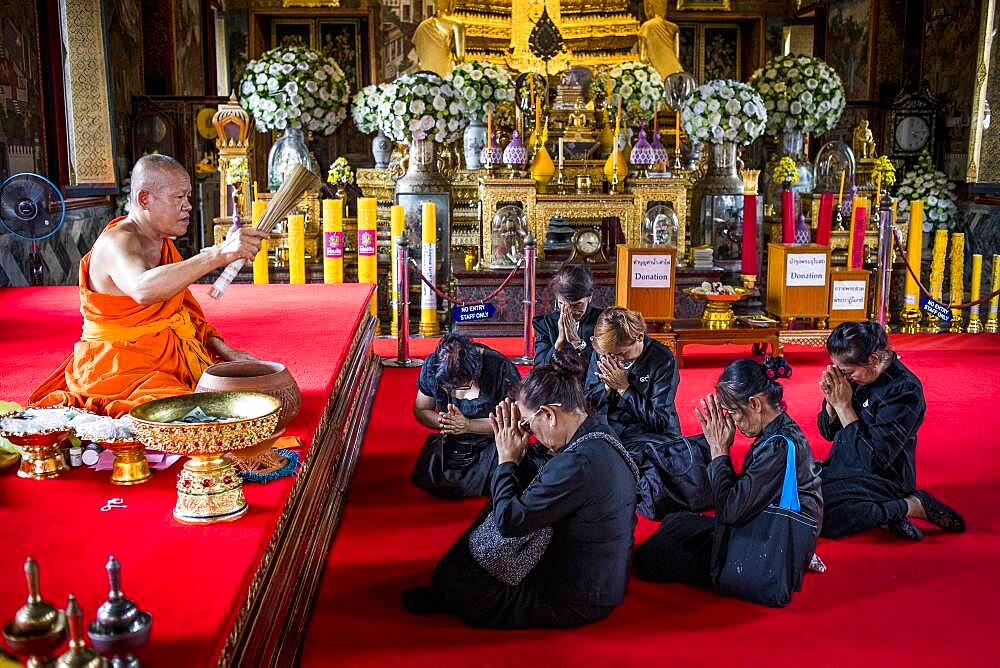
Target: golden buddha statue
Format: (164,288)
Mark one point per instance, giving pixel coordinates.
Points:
(439,40)
(863,142)
(658,39)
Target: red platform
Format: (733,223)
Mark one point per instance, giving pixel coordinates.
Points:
(193,579)
(883,602)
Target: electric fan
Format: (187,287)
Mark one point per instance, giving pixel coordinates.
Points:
(32,208)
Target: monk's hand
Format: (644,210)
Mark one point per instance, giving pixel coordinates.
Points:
(453,422)
(511,440)
(611,370)
(241,244)
(227,353)
(717,425)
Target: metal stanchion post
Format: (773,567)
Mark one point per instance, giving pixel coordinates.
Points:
(884,260)
(402,308)
(529,302)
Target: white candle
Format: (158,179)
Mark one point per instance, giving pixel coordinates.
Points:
(560,153)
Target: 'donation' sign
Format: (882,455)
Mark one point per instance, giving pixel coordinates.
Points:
(473,312)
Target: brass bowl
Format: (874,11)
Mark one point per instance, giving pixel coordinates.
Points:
(256,413)
(209,489)
(718,308)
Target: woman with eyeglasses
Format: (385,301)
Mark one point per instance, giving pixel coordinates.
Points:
(584,495)
(872,409)
(632,381)
(688,548)
(459,384)
(571,324)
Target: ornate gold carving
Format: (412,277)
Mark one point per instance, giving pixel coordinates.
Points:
(805,337)
(88,112)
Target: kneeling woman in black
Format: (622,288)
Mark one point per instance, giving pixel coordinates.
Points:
(582,500)
(692,549)
(872,408)
(459,384)
(632,381)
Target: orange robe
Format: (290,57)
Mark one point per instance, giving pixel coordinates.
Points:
(129,353)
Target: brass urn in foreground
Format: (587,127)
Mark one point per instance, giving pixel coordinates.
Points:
(209,489)
(39,627)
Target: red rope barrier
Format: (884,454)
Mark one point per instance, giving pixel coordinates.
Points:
(446,298)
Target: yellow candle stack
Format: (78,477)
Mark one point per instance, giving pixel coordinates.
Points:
(367,260)
(333,241)
(957,279)
(975,325)
(914,247)
(991,321)
(937,273)
(428,265)
(297,249)
(260,276)
(397,225)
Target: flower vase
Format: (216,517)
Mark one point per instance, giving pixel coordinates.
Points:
(473,142)
(289,150)
(381,150)
(723,174)
(792,146)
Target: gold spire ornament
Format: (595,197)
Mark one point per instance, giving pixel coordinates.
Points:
(542,167)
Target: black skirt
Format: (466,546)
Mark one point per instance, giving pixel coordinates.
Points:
(454,467)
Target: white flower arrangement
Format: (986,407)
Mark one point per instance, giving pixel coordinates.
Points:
(800,93)
(724,110)
(364,108)
(931,185)
(639,85)
(422,106)
(294,87)
(480,84)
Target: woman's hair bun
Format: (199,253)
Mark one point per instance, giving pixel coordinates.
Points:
(568,363)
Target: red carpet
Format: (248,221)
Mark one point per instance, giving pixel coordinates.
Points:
(192,578)
(882,600)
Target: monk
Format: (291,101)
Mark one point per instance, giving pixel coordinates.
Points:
(144,334)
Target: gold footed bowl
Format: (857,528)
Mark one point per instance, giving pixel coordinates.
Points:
(43,458)
(718,308)
(209,489)
(130,466)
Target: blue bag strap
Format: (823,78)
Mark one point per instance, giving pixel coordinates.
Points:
(790,486)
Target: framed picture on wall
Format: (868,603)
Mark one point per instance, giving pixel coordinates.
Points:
(849,46)
(22,126)
(342,40)
(722,53)
(293,32)
(703,5)
(687,38)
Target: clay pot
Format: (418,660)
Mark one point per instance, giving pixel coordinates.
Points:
(257,376)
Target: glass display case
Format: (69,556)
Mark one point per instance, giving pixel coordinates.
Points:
(660,227)
(508,228)
(835,158)
(722,230)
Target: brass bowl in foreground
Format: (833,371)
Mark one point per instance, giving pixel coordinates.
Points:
(256,413)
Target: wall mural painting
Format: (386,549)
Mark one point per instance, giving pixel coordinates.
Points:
(293,32)
(22,128)
(341,39)
(237,44)
(722,53)
(848,41)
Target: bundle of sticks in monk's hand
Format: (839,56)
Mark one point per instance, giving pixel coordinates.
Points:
(300,181)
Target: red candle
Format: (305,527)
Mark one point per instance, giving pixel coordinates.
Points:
(857,253)
(748,266)
(787,217)
(825,219)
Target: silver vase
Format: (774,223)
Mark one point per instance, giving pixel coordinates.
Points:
(289,150)
(723,175)
(474,139)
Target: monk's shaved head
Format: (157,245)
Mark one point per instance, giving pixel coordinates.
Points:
(152,172)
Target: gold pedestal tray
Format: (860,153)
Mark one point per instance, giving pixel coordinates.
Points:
(43,458)
(718,308)
(130,466)
(208,487)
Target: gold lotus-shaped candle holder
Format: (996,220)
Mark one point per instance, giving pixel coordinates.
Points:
(42,458)
(209,489)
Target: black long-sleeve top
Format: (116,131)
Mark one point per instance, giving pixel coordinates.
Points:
(647,407)
(587,495)
(740,498)
(547,331)
(883,440)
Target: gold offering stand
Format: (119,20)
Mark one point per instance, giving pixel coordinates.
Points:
(718,308)
(209,489)
(130,466)
(42,458)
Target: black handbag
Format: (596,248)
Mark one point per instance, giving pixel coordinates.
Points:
(763,560)
(674,477)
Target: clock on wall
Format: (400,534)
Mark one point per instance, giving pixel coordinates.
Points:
(912,126)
